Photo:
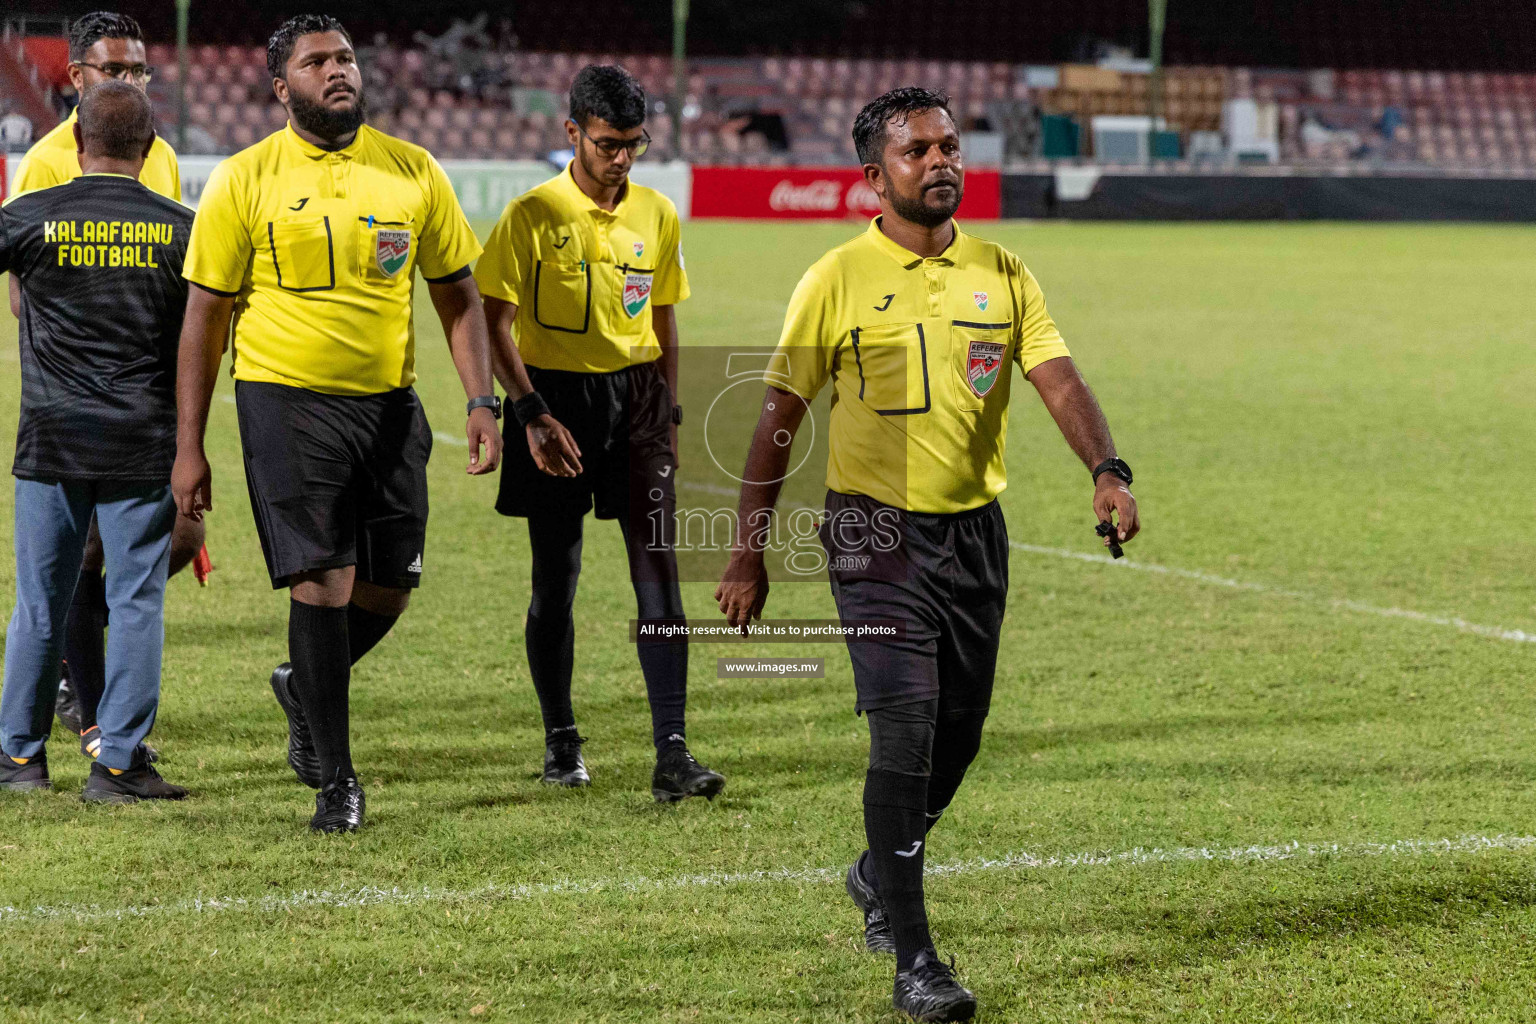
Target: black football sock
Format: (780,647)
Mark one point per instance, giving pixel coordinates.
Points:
(659,601)
(665,667)
(956,740)
(85,644)
(365,629)
(554,544)
(322,675)
(894,807)
(551,653)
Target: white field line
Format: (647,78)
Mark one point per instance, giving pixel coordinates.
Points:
(494,892)
(1338,604)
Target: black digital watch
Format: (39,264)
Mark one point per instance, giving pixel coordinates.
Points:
(1112,465)
(491,402)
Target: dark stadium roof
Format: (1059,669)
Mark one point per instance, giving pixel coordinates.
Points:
(1450,35)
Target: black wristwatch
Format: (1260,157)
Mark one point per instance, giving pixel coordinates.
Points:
(1115,466)
(677,415)
(491,402)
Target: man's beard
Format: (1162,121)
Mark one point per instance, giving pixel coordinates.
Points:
(327,122)
(595,173)
(920,212)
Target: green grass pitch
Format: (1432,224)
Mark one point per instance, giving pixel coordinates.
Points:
(1330,423)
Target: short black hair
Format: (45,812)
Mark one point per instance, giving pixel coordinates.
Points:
(280,46)
(88,28)
(608,92)
(116,121)
(869,128)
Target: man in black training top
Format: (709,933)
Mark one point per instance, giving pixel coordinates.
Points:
(103,46)
(917,325)
(99,261)
(585,271)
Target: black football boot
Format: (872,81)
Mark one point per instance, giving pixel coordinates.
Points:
(301,748)
(679,776)
(563,763)
(339,806)
(877,927)
(928,991)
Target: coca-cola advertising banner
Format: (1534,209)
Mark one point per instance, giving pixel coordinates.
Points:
(817,193)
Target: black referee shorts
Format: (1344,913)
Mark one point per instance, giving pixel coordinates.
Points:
(944,576)
(622,422)
(337,480)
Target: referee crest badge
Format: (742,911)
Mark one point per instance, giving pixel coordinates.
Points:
(986,359)
(639,249)
(391,251)
(981,300)
(637,292)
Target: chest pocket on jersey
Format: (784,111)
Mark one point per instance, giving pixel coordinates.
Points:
(303,253)
(892,364)
(979,360)
(385,250)
(562,296)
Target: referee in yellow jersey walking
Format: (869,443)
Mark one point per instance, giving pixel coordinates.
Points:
(917,325)
(308,241)
(103,46)
(586,271)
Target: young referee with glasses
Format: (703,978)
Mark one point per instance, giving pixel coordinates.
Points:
(584,272)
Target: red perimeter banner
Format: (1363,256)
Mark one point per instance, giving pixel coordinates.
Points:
(817,193)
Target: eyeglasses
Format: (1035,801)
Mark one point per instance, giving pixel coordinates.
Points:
(610,147)
(140,72)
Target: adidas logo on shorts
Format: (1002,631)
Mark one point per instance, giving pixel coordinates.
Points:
(415,566)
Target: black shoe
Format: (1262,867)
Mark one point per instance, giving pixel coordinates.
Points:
(65,706)
(301,748)
(90,746)
(928,990)
(563,763)
(678,776)
(877,928)
(339,807)
(138,783)
(19,778)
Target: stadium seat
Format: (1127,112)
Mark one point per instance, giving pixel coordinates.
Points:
(1444,116)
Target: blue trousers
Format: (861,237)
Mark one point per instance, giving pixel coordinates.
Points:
(53,518)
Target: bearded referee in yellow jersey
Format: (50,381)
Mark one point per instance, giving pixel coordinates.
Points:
(585,272)
(309,241)
(103,46)
(917,325)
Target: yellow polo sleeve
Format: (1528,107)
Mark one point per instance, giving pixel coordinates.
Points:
(448,244)
(671,284)
(219,251)
(803,361)
(507,259)
(1038,340)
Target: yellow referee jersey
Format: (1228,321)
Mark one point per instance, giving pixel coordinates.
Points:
(53,160)
(918,351)
(584,278)
(319,248)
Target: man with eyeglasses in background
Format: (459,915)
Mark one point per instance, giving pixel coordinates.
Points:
(584,271)
(103,46)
